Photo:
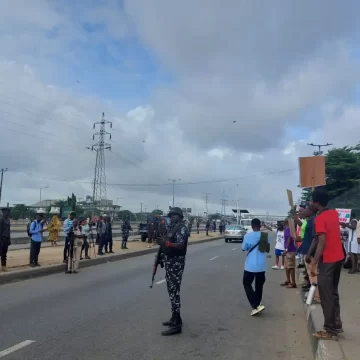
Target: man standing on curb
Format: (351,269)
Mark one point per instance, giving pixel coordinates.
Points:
(68,224)
(36,231)
(256,243)
(330,255)
(173,249)
(4,236)
(125,230)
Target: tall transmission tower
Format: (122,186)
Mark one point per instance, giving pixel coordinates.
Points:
(99,182)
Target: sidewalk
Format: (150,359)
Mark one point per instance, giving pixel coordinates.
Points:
(348,346)
(51,255)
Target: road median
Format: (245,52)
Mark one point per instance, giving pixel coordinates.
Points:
(50,258)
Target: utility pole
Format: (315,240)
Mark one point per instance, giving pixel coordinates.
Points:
(2,177)
(45,187)
(173,184)
(206,203)
(141,212)
(223,203)
(319,153)
(99,182)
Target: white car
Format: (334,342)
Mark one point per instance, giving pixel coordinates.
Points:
(234,233)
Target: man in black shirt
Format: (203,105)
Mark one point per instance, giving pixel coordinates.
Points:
(4,236)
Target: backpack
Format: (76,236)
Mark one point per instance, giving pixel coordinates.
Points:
(28,227)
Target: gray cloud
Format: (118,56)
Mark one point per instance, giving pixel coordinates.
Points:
(262,65)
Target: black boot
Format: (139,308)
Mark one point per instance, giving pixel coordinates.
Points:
(169,322)
(175,327)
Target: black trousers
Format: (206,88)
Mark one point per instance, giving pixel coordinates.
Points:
(3,253)
(108,243)
(86,247)
(254,296)
(66,248)
(328,284)
(35,247)
(101,243)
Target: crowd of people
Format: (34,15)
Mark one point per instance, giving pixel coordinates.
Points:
(318,240)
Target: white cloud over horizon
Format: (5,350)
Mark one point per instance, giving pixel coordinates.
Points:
(257,65)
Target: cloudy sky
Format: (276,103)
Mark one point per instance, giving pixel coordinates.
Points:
(223,95)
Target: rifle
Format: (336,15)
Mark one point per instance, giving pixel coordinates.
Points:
(158,261)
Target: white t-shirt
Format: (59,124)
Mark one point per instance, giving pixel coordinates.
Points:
(280,241)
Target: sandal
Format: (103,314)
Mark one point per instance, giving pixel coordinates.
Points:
(285,283)
(324,335)
(291,286)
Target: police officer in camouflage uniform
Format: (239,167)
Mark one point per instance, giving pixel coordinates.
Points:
(125,232)
(173,249)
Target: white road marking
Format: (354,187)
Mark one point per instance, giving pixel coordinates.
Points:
(16,348)
(234,249)
(213,258)
(160,282)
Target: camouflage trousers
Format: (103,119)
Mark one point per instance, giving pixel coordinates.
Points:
(174,269)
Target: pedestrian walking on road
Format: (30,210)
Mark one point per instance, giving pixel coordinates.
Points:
(256,243)
(330,255)
(198,226)
(214,226)
(125,230)
(54,230)
(36,230)
(4,236)
(151,233)
(173,249)
(68,224)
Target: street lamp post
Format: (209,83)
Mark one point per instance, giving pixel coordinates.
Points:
(173,182)
(45,187)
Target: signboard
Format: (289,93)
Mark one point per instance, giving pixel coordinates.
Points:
(290,198)
(344,215)
(55,210)
(188,210)
(65,211)
(183,210)
(312,171)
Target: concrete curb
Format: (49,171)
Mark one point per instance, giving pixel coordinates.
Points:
(19,275)
(322,349)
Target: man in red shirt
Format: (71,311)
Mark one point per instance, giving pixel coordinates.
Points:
(330,255)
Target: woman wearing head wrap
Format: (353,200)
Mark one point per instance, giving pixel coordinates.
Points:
(54,230)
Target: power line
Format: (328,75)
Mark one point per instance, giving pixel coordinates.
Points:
(158,184)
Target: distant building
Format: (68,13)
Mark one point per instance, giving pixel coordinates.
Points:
(43,204)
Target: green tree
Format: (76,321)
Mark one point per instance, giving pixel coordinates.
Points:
(343,177)
(127,214)
(157,212)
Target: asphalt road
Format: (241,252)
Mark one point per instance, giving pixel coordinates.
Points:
(109,312)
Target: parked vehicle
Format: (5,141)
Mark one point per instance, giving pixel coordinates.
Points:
(143,231)
(234,233)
